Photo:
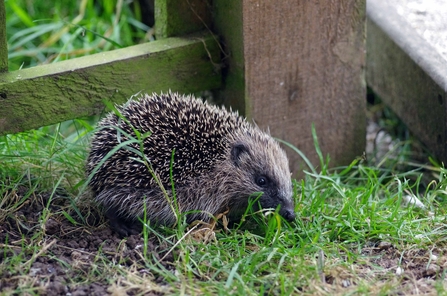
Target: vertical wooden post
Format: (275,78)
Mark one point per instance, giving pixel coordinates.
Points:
(3,40)
(303,64)
(228,23)
(175,18)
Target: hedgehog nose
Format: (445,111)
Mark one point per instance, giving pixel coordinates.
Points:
(289,215)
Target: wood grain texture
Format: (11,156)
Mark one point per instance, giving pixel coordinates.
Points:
(304,64)
(52,93)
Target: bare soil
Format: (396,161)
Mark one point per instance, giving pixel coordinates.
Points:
(413,271)
(68,253)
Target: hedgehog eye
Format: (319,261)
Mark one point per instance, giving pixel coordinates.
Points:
(261,181)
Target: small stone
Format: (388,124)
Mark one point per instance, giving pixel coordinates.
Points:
(399,270)
(384,245)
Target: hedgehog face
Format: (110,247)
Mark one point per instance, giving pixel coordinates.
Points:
(263,167)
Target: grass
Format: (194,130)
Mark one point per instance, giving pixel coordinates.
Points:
(332,248)
(40,32)
(351,235)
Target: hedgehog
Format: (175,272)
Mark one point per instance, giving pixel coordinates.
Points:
(193,158)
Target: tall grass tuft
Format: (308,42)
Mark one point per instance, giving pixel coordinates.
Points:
(42,32)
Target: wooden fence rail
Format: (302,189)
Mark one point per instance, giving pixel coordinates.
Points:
(56,92)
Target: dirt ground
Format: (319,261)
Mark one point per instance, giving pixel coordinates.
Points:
(72,245)
(415,270)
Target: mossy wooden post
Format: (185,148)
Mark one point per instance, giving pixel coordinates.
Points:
(176,18)
(298,63)
(228,23)
(3,42)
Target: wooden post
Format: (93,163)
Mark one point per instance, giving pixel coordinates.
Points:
(228,23)
(176,18)
(3,40)
(302,63)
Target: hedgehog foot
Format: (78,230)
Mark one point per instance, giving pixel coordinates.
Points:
(123,227)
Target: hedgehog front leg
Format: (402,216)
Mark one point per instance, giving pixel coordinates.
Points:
(117,204)
(122,226)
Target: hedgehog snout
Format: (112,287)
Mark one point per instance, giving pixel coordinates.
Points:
(288,214)
(287,210)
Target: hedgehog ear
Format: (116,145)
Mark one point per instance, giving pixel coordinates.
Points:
(237,150)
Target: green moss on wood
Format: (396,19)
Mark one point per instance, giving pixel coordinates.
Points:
(3,41)
(48,94)
(175,18)
(228,23)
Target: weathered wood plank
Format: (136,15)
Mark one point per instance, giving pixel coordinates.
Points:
(53,93)
(408,75)
(302,62)
(3,41)
(176,18)
(228,23)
